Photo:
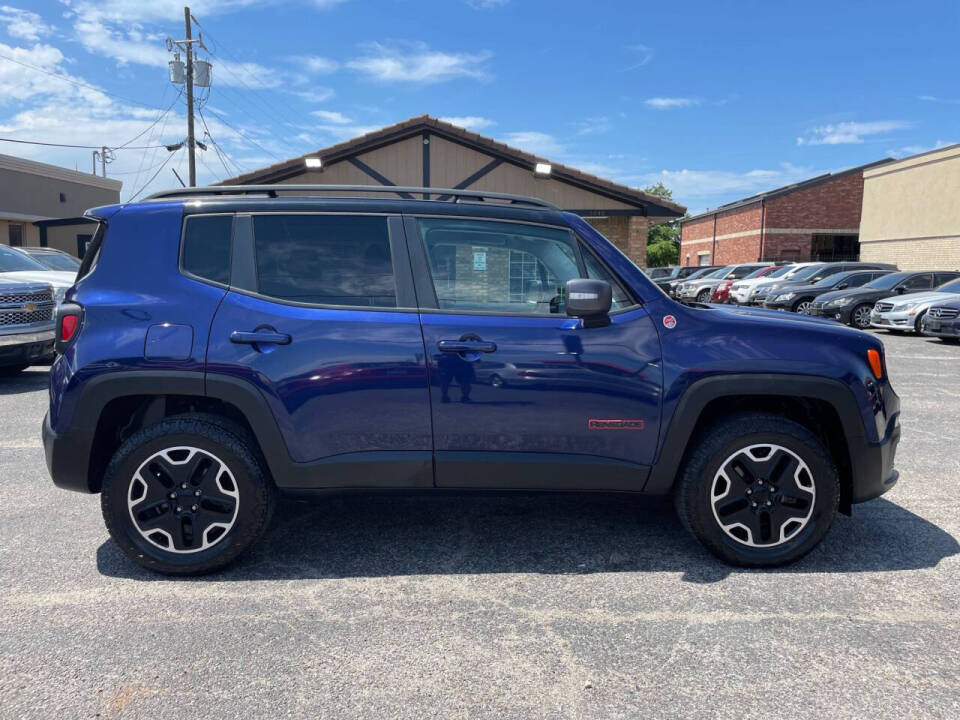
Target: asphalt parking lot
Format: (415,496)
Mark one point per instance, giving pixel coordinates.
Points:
(551,606)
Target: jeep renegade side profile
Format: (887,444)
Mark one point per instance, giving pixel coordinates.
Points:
(224,344)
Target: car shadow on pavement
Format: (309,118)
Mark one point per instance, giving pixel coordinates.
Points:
(350,536)
(30,380)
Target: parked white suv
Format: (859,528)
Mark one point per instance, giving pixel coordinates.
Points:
(758,288)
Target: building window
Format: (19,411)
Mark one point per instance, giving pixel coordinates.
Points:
(15,234)
(703,258)
(63,197)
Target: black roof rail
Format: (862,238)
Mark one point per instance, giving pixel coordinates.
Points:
(446,194)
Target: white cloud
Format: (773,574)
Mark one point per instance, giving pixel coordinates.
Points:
(695,187)
(846,133)
(642,54)
(536,143)
(331,116)
(908,150)
(593,126)
(469,122)
(317,65)
(23,23)
(486,4)
(417,63)
(670,103)
(935,99)
(19,83)
(315,94)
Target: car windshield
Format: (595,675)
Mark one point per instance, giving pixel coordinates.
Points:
(833,280)
(56,261)
(951,287)
(887,281)
(742,272)
(13,261)
(806,272)
(779,272)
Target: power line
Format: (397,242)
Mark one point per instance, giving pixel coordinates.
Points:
(250,140)
(76,82)
(151,125)
(153,177)
(81,147)
(216,147)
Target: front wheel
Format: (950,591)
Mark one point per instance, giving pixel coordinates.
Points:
(860,316)
(187,495)
(802,307)
(758,490)
(918,323)
(704,296)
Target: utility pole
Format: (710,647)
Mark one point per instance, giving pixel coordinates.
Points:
(103,160)
(191,149)
(183,74)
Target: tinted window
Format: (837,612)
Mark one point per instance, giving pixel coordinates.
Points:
(206,247)
(886,282)
(941,278)
(325,259)
(919,282)
(951,287)
(822,273)
(858,279)
(804,273)
(742,272)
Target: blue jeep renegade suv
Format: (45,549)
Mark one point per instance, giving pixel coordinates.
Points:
(223,344)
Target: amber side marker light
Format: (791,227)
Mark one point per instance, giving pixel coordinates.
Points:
(875,363)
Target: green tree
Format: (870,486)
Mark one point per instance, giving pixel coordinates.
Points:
(663,252)
(663,234)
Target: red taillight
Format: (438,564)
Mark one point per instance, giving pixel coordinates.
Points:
(68,326)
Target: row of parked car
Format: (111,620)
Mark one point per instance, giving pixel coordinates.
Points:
(859,294)
(33,281)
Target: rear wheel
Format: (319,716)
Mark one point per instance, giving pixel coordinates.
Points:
(704,296)
(860,316)
(187,495)
(758,490)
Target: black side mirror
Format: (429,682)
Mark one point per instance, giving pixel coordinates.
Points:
(589,300)
(901,290)
(843,286)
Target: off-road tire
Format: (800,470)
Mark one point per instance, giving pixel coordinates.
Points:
(227,441)
(709,450)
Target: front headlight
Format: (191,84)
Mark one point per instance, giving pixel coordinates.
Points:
(840,302)
(58,294)
(905,306)
(786,296)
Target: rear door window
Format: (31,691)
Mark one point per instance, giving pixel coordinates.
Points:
(206,247)
(919,282)
(340,260)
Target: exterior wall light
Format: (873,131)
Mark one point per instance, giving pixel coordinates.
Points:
(542,169)
(314,163)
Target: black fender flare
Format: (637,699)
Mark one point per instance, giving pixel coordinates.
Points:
(699,394)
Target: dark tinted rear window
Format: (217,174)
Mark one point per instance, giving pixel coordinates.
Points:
(325,259)
(206,247)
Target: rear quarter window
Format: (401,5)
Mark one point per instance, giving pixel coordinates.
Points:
(206,247)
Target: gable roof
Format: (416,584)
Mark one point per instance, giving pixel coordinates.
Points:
(652,204)
(787,189)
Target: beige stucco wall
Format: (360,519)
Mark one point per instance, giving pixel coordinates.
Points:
(911,212)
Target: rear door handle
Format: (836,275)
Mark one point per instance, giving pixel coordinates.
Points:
(259,337)
(466,346)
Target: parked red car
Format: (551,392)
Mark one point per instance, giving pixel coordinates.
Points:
(721,293)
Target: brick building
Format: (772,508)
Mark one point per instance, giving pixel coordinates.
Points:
(817,219)
(426,152)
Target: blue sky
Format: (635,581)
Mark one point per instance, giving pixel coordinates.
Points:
(717,99)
